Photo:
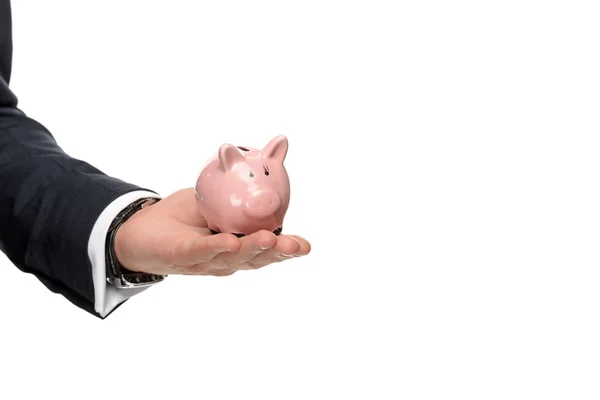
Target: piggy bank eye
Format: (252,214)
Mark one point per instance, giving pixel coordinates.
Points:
(266,169)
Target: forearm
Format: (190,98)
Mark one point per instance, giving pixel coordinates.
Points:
(49,204)
(54,209)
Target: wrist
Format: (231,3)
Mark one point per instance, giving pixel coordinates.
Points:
(123,239)
(118,272)
(119,244)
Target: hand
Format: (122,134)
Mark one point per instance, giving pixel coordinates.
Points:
(171,237)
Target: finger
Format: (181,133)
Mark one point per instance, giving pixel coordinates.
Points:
(305,246)
(250,247)
(192,248)
(222,272)
(286,248)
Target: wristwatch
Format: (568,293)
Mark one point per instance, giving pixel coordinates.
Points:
(117,274)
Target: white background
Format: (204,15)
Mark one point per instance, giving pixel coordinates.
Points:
(444,159)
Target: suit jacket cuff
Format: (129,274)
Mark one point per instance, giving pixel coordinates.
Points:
(106,296)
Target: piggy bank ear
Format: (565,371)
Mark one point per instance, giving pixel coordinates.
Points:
(229,155)
(277,148)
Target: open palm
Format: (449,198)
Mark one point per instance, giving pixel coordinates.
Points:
(172,237)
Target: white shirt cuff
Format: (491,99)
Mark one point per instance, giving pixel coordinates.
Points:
(107,296)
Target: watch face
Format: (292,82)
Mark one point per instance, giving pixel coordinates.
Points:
(142,279)
(128,281)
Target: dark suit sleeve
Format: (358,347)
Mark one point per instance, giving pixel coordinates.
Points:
(49,202)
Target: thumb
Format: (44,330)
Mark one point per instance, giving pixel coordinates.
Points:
(191,247)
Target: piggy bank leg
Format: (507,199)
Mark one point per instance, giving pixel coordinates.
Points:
(236,234)
(277,232)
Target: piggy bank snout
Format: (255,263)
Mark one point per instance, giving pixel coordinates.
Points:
(264,204)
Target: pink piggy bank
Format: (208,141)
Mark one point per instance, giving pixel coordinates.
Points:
(244,190)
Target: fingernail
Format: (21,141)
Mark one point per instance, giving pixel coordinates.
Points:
(286,255)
